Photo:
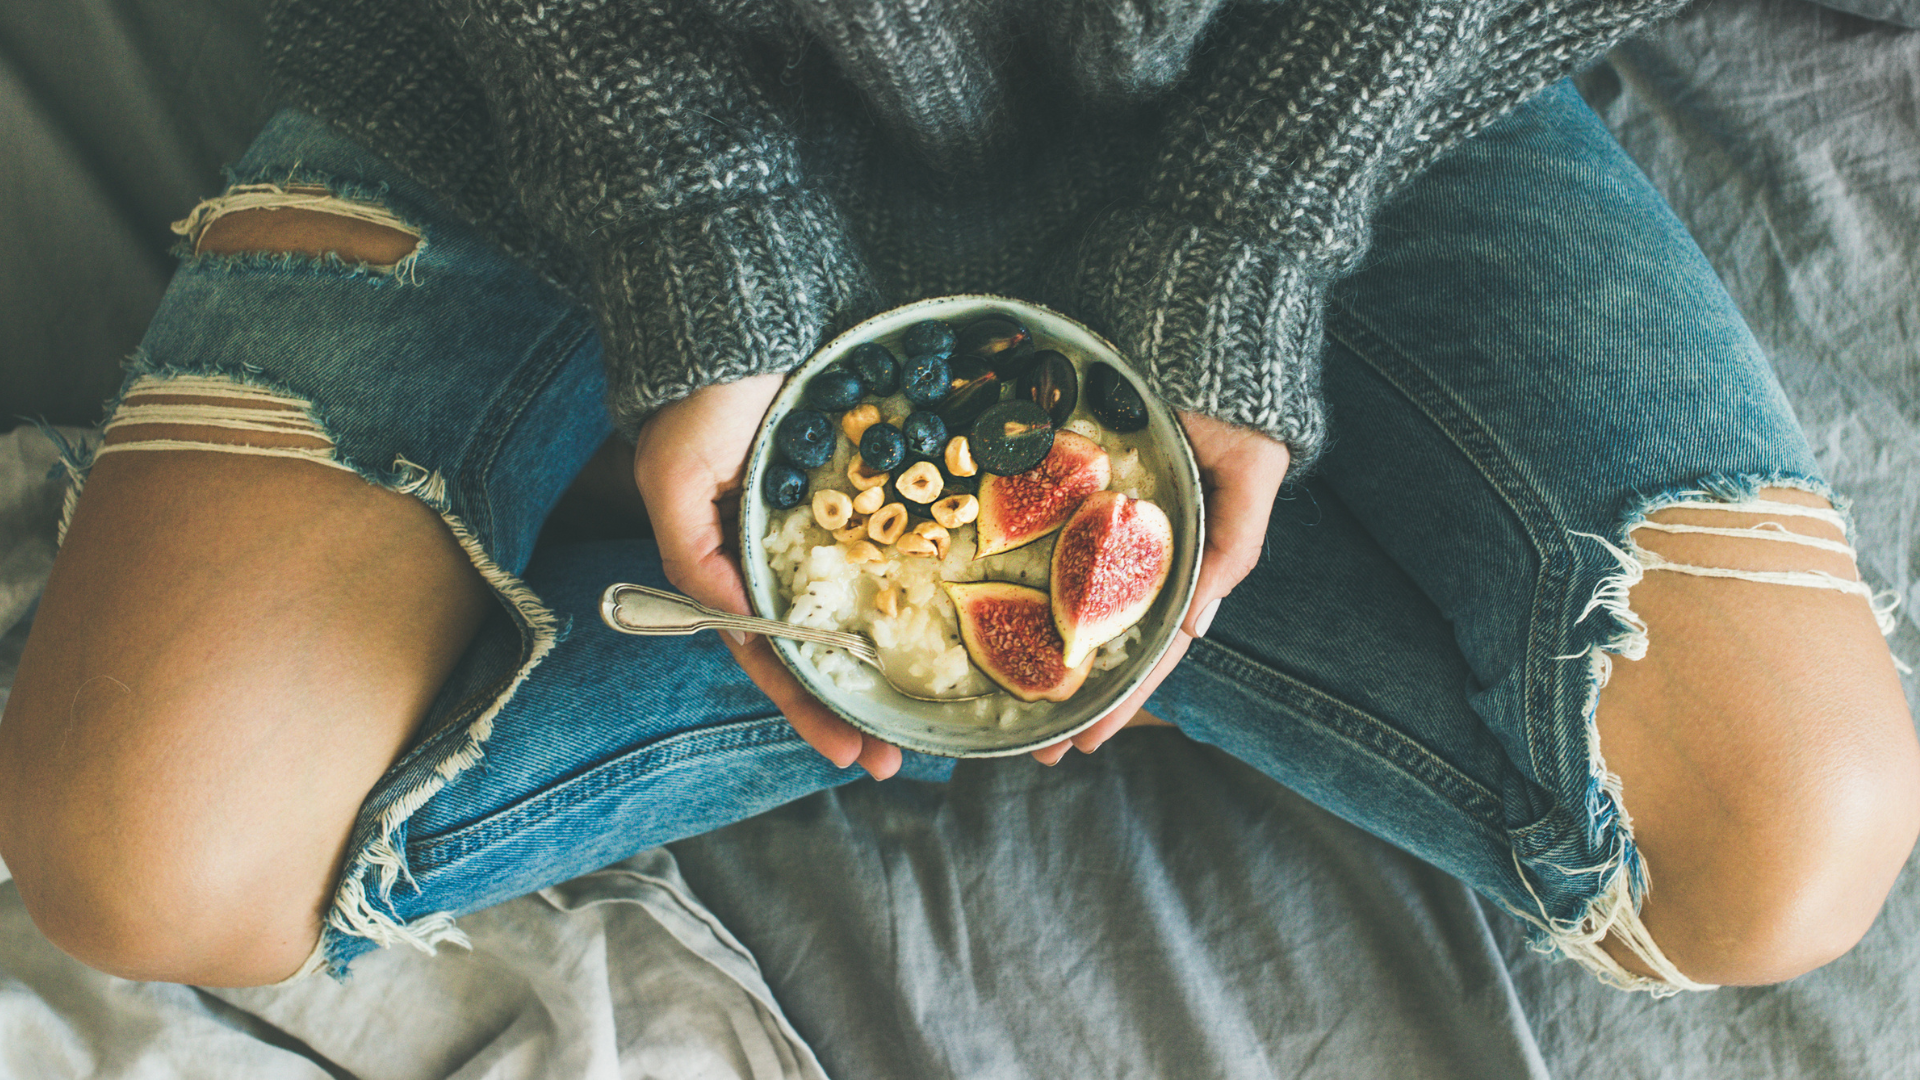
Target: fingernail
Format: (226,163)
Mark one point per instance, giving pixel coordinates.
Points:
(1205,621)
(740,636)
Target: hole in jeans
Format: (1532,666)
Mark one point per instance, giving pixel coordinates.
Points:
(299,220)
(213,413)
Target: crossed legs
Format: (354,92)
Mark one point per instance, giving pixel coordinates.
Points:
(232,649)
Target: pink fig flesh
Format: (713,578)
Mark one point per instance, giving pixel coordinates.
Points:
(1009,633)
(1019,509)
(1108,566)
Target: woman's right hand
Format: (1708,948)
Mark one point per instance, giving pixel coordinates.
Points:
(690,462)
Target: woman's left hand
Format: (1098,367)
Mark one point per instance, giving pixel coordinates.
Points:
(1240,474)
(689,463)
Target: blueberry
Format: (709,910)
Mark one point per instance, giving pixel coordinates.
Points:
(926,435)
(877,370)
(784,486)
(930,338)
(882,447)
(805,438)
(925,379)
(834,390)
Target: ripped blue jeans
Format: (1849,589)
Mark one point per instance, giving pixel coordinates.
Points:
(1533,357)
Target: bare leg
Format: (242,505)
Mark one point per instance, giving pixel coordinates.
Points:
(230,652)
(1765,752)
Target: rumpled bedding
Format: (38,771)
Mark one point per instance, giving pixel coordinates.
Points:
(1157,909)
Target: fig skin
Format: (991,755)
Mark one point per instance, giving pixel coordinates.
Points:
(1109,565)
(1019,509)
(1009,634)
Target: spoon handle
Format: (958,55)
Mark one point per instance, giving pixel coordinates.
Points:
(637,609)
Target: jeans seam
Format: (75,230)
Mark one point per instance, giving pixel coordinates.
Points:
(1555,576)
(573,330)
(1381,740)
(427,854)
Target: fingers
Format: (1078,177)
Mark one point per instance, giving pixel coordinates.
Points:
(1053,752)
(880,759)
(835,739)
(1089,740)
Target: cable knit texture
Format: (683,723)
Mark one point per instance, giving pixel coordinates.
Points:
(728,182)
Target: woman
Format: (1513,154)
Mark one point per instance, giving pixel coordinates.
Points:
(487,234)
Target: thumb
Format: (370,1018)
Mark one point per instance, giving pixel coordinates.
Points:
(689,527)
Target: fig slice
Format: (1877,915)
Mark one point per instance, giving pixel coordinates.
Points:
(1009,634)
(1019,509)
(1108,566)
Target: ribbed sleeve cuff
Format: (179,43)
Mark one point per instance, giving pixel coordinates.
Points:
(722,294)
(1221,325)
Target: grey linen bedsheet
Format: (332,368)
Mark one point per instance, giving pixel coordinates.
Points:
(1156,910)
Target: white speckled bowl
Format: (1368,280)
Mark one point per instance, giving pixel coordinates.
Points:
(955,730)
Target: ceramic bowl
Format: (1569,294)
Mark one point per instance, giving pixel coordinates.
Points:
(957,730)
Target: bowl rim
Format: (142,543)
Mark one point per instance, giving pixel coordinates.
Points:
(1178,458)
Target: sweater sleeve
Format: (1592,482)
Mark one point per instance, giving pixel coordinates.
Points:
(635,139)
(1296,121)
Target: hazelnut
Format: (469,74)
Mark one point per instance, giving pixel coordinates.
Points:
(870,500)
(886,526)
(921,482)
(862,552)
(956,510)
(855,529)
(855,421)
(916,545)
(960,457)
(935,532)
(863,477)
(887,601)
(831,509)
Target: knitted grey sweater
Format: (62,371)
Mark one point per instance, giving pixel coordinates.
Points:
(728,182)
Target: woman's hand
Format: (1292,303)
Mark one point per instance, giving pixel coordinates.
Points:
(689,463)
(1240,473)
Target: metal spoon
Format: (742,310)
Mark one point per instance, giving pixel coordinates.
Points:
(637,609)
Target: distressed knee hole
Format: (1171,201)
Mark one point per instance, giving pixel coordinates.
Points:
(215,414)
(1777,536)
(1780,531)
(1780,536)
(300,220)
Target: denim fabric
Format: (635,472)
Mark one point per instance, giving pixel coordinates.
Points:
(1534,355)
(1533,351)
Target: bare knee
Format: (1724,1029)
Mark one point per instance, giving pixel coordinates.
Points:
(149,919)
(1751,903)
(1767,758)
(147,881)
